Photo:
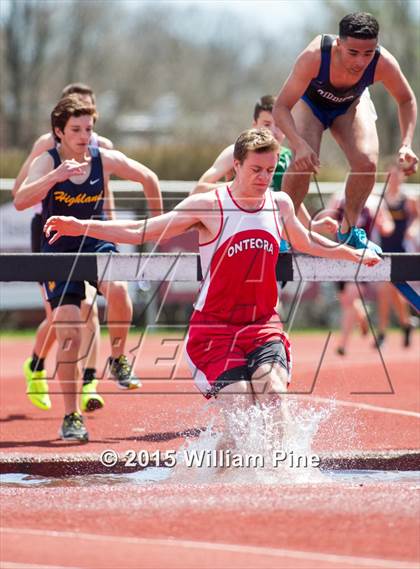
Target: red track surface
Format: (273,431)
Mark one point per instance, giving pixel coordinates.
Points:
(218,524)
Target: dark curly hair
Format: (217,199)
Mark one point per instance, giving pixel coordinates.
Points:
(360,25)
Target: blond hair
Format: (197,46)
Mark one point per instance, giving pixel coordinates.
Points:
(254,140)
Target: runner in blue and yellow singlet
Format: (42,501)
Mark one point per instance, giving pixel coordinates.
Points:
(34,370)
(71,181)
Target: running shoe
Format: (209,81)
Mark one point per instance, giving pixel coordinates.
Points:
(379,340)
(73,428)
(357,238)
(36,386)
(121,372)
(90,399)
(284,246)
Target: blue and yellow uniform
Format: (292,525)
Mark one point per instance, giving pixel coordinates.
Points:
(83,201)
(36,222)
(400,214)
(328,102)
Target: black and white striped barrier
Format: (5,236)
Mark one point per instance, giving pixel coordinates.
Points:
(397,268)
(185,267)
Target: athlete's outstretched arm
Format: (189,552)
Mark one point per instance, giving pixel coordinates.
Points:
(104,142)
(117,163)
(304,70)
(389,72)
(222,167)
(186,215)
(42,177)
(41,145)
(314,244)
(109,201)
(203,187)
(323,223)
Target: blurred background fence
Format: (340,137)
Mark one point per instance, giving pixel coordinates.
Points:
(176,81)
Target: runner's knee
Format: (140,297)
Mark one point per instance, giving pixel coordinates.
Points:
(118,293)
(69,338)
(364,163)
(270,379)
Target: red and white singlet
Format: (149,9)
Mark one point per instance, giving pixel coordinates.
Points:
(239,265)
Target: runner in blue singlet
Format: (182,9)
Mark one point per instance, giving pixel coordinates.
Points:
(326,101)
(327,88)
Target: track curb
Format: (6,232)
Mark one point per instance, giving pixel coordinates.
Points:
(60,465)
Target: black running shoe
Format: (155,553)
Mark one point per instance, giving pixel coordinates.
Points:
(379,340)
(73,428)
(121,372)
(407,335)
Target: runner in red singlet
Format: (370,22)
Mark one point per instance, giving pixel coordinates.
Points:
(235,342)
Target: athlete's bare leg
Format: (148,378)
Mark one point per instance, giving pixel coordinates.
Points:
(296,183)
(347,320)
(352,312)
(68,323)
(238,395)
(119,314)
(355,132)
(269,383)
(401,307)
(45,334)
(91,331)
(384,303)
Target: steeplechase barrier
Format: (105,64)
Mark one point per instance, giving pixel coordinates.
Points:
(398,268)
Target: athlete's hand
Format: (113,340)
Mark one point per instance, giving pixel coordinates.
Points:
(69,168)
(325,225)
(62,225)
(305,159)
(366,257)
(407,160)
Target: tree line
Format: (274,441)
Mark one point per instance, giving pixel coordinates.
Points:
(138,57)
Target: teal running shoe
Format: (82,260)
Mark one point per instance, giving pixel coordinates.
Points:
(284,246)
(357,238)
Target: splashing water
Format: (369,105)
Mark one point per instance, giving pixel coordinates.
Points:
(267,445)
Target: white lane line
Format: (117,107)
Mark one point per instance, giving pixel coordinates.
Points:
(355,405)
(200,545)
(13,565)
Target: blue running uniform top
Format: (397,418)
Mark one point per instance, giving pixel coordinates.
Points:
(83,201)
(328,102)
